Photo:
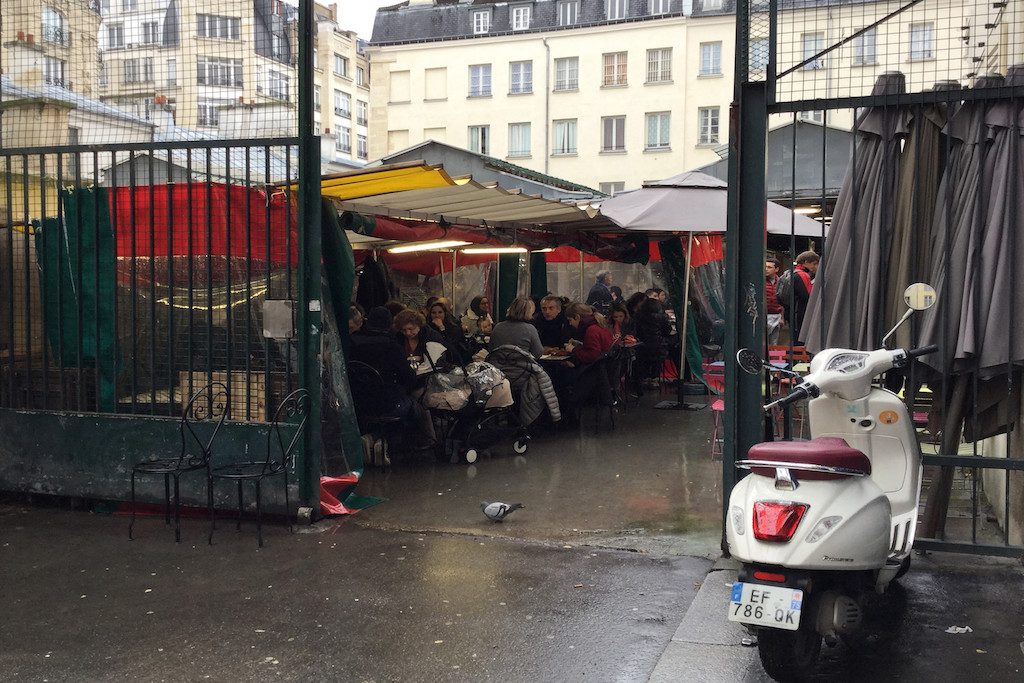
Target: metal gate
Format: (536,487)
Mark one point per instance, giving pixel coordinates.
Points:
(920,102)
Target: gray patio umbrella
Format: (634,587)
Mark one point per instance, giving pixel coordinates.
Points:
(847,301)
(916,195)
(956,229)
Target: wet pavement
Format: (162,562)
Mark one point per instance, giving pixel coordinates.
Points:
(906,630)
(338,601)
(648,484)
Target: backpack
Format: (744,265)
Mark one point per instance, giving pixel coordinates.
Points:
(784,288)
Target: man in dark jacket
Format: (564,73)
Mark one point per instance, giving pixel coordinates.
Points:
(600,296)
(552,327)
(803,273)
(375,345)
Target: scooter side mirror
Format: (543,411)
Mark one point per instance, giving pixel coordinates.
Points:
(749,361)
(920,296)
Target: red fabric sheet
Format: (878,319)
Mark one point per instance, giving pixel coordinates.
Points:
(162,212)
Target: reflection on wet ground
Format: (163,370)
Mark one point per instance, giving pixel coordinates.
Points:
(646,484)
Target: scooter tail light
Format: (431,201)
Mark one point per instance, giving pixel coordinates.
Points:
(777,521)
(823,527)
(770,576)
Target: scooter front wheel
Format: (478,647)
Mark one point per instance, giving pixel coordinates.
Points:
(789,655)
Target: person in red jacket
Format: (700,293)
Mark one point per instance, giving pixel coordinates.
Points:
(592,340)
(772,307)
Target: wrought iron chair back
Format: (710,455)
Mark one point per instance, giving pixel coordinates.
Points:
(368,390)
(211,404)
(295,406)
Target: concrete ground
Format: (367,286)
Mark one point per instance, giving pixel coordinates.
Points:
(337,602)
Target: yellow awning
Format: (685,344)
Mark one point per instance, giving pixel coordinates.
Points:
(384,180)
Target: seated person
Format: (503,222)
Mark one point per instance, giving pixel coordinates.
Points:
(356,317)
(552,328)
(441,321)
(412,334)
(479,311)
(481,341)
(596,343)
(516,329)
(375,345)
(653,329)
(619,323)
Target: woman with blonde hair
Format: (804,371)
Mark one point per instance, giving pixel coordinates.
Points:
(517,330)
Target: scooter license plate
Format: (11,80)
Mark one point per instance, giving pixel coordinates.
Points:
(774,606)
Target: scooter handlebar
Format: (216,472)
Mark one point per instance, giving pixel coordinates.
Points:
(922,351)
(801,391)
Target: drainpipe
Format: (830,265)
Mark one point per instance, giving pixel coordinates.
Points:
(547,104)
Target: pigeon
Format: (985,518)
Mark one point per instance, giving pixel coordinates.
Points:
(496,512)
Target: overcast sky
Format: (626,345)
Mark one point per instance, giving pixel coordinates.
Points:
(357,15)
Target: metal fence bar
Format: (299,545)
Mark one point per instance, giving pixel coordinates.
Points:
(27,281)
(248,286)
(43,287)
(10,351)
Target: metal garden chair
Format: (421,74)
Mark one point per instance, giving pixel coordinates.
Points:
(293,411)
(211,404)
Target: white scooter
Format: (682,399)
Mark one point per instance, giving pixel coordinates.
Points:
(819,523)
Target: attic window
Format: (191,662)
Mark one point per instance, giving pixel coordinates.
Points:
(481,21)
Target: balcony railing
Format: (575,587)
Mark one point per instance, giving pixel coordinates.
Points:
(57,35)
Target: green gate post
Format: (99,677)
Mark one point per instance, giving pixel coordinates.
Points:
(744,259)
(309,322)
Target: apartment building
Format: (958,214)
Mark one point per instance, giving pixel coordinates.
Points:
(202,61)
(611,93)
(51,42)
(341,94)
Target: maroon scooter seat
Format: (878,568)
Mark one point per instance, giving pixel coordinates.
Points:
(827,451)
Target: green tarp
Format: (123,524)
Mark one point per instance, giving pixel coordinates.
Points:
(507,283)
(673,257)
(77,259)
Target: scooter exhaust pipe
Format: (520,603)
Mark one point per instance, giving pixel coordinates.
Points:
(838,615)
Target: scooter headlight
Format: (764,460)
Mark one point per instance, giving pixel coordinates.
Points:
(736,515)
(822,528)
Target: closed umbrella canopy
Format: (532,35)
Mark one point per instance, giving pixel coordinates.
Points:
(846,305)
(693,202)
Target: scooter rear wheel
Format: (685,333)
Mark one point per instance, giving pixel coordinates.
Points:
(789,655)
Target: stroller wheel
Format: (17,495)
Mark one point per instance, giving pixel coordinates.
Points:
(471,455)
(520,446)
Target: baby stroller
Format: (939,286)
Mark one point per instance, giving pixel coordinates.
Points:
(472,408)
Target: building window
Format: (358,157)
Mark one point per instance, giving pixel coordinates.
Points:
(616,9)
(150,32)
(658,6)
(340,65)
(659,65)
(565,137)
(712,4)
(921,41)
(104,74)
(480,139)
(813,43)
(816,116)
(613,133)
(521,17)
(316,98)
(278,85)
(138,71)
(172,72)
(54,70)
(128,5)
(362,149)
(342,104)
(360,76)
(520,78)
(55,28)
(480,80)
(658,129)
(435,84)
(519,139)
(614,71)
(707,119)
(343,140)
(208,115)
(568,12)
(567,73)
(758,54)
(613,188)
(219,71)
(115,36)
(316,128)
(362,110)
(481,21)
(864,48)
(213,26)
(316,58)
(711,59)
